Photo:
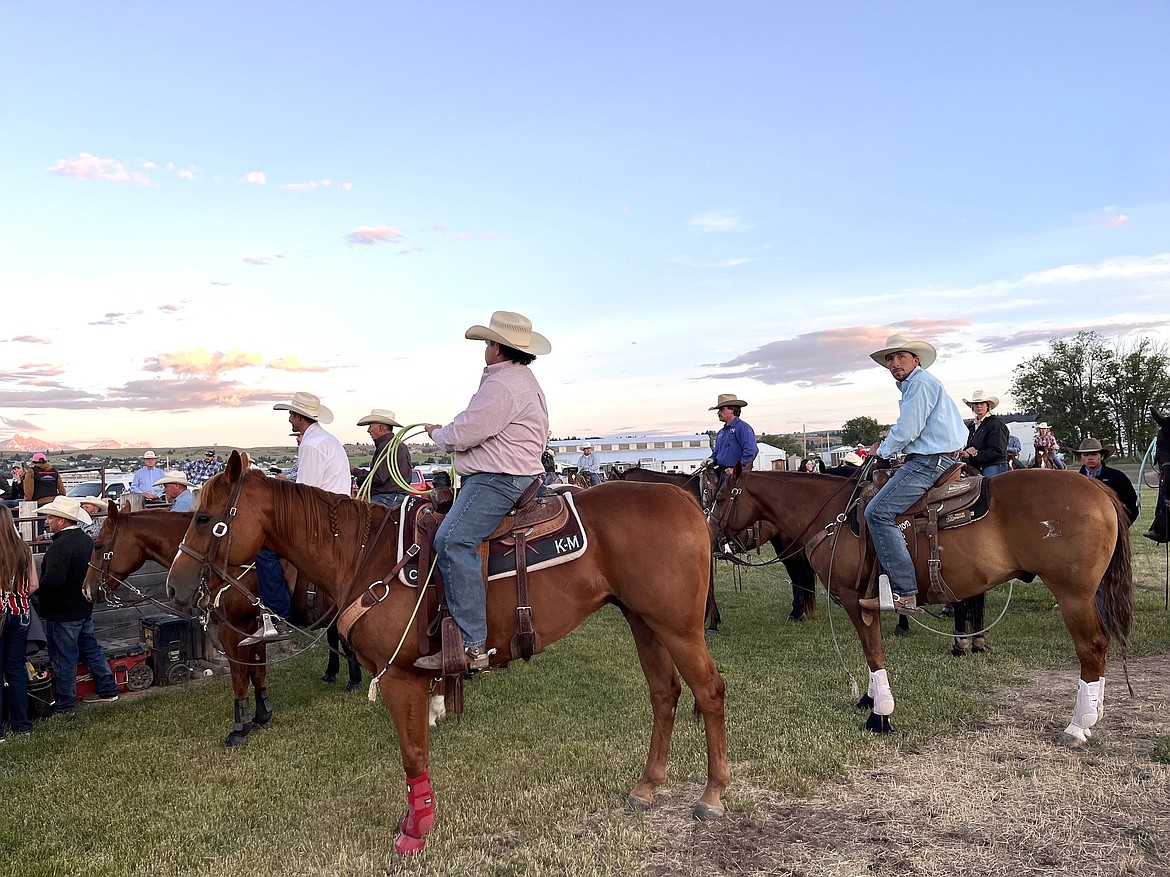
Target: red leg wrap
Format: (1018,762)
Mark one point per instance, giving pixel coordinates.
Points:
(420,806)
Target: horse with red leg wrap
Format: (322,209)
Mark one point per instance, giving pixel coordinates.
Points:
(647,553)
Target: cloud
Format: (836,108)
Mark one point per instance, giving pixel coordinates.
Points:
(39,370)
(406,251)
(824,357)
(90,167)
(186,174)
(31,339)
(23,425)
(1029,337)
(113,319)
(717,221)
(382,234)
(149,165)
(221,283)
(347,186)
(202,363)
(301,187)
(169,308)
(733,262)
(292,364)
(260,258)
(257,178)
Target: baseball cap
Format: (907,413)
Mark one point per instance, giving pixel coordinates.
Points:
(39,457)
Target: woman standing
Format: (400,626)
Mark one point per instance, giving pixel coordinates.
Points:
(18,580)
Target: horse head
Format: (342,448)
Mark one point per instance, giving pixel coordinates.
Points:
(223,532)
(111,562)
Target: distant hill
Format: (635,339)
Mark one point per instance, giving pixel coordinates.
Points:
(18,442)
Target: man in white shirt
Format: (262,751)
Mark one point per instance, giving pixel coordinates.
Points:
(321,462)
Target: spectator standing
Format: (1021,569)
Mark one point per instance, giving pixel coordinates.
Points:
(66,611)
(177,490)
(147,477)
(42,482)
(201,471)
(384,489)
(18,581)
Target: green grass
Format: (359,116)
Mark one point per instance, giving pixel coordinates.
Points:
(532,781)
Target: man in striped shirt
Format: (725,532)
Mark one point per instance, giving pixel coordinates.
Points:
(497,441)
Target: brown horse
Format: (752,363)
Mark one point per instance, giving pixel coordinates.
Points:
(128,539)
(647,553)
(1069,530)
(800,572)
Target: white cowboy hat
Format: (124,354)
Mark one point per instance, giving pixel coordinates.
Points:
(66,507)
(852,458)
(150,455)
(1043,425)
(925,352)
(173,477)
(380,415)
(979,396)
(587,445)
(512,330)
(726,399)
(306,405)
(1093,446)
(99,501)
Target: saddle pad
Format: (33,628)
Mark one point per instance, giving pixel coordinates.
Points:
(567,543)
(971,514)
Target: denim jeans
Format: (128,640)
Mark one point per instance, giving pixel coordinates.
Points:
(13,643)
(69,641)
(480,505)
(390,500)
(995,469)
(273,585)
(905,487)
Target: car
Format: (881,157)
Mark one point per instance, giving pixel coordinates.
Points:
(116,485)
(420,480)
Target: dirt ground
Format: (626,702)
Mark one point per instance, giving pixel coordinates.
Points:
(1000,799)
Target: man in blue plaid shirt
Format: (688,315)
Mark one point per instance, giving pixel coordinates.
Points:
(199,471)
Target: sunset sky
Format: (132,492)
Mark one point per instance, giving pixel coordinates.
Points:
(206,210)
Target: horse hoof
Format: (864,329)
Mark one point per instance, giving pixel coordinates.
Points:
(637,803)
(959,646)
(705,812)
(879,724)
(262,724)
(235,740)
(979,644)
(866,703)
(405,845)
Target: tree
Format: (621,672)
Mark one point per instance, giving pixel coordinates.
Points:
(1140,381)
(1068,387)
(861,431)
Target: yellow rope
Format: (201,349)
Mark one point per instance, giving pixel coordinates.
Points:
(390,452)
(422,590)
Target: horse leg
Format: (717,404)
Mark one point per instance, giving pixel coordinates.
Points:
(694,662)
(879,697)
(355,668)
(257,657)
(1092,645)
(664,685)
(405,695)
(333,664)
(963,612)
(242,713)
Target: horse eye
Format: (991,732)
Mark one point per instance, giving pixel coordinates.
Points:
(202,519)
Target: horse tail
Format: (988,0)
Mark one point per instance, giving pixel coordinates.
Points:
(1117,584)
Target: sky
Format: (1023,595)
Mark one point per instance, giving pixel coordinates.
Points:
(205,210)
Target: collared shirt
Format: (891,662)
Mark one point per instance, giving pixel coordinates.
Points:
(184,502)
(588,463)
(322,462)
(929,421)
(145,478)
(199,471)
(505,426)
(735,443)
(383,483)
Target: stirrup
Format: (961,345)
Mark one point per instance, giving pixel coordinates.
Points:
(268,632)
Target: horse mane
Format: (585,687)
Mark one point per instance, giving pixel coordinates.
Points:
(306,508)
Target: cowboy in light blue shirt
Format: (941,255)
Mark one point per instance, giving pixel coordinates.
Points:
(930,432)
(147,477)
(588,465)
(177,490)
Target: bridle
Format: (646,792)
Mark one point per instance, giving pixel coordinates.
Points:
(221,529)
(108,557)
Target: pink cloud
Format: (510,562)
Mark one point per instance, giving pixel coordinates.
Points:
(292,364)
(90,167)
(201,362)
(1117,221)
(382,234)
(31,339)
(260,258)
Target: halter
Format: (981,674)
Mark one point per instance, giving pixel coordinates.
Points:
(219,530)
(108,557)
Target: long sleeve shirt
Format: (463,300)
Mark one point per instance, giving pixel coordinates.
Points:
(929,421)
(382,483)
(504,428)
(735,443)
(588,463)
(1119,482)
(184,502)
(62,574)
(322,461)
(144,480)
(989,437)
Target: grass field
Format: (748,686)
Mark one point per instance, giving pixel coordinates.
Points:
(535,777)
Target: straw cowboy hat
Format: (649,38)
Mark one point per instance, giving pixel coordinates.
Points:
(68,508)
(978,396)
(925,352)
(173,477)
(587,445)
(1093,446)
(150,455)
(306,405)
(1043,425)
(511,330)
(728,399)
(99,502)
(853,458)
(380,415)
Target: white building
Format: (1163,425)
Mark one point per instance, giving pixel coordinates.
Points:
(663,453)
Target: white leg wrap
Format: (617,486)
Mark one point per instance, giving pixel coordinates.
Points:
(879,690)
(1087,709)
(438,710)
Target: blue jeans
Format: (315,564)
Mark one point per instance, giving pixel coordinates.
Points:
(905,487)
(390,500)
(995,469)
(592,477)
(69,640)
(273,585)
(13,643)
(480,505)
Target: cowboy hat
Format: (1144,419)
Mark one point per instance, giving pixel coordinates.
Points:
(853,458)
(173,477)
(1093,446)
(978,396)
(925,352)
(66,507)
(380,415)
(306,405)
(1043,425)
(728,400)
(99,501)
(511,330)
(587,445)
(150,455)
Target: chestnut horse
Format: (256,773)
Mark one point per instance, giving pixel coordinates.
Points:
(800,572)
(1069,530)
(128,539)
(647,553)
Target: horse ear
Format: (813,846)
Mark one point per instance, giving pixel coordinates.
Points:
(1162,421)
(245,460)
(111,510)
(738,468)
(235,466)
(125,506)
